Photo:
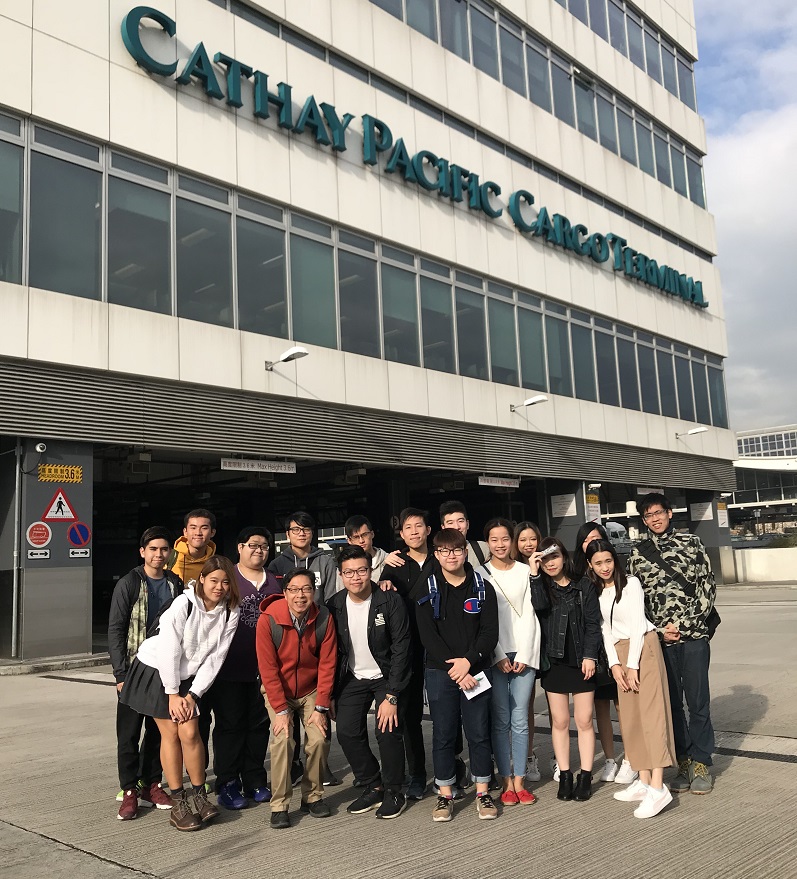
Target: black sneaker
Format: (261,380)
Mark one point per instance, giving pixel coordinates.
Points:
(280,820)
(318,809)
(297,773)
(365,802)
(416,789)
(392,805)
(330,779)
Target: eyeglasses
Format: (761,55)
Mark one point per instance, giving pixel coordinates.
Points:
(258,547)
(297,530)
(363,535)
(446,551)
(654,514)
(357,572)
(296,590)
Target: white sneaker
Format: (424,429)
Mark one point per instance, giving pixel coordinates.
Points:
(654,802)
(609,771)
(555,769)
(625,774)
(634,793)
(532,768)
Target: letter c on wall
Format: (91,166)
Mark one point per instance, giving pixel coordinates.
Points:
(132,39)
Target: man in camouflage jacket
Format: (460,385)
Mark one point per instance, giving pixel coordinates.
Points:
(679,587)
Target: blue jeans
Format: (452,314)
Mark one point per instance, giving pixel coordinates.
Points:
(687,665)
(510,715)
(449,707)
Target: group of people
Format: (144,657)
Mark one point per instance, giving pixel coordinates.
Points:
(468,626)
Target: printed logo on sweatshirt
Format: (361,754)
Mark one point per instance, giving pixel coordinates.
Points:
(250,611)
(472,605)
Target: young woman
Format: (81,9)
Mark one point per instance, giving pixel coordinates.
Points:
(516,660)
(172,671)
(637,664)
(607,693)
(527,538)
(571,631)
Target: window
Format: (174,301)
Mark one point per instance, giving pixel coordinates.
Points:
(607,369)
(454,27)
(678,169)
(262,294)
(391,6)
(583,363)
(204,264)
(139,247)
(669,401)
(513,73)
(558,356)
(579,9)
(644,139)
(625,128)
(668,68)
(471,336)
(694,174)
(662,154)
(702,411)
(683,381)
(597,18)
(503,346)
(653,56)
(532,350)
(686,84)
(585,108)
(359,306)
(539,78)
(719,410)
(10,213)
(562,94)
(400,315)
(65,222)
(437,324)
(647,379)
(617,27)
(636,51)
(606,124)
(421,16)
(485,49)
(313,292)
(629,385)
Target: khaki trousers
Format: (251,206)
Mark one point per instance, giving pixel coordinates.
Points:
(316,750)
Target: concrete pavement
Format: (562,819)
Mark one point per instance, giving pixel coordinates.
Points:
(57,787)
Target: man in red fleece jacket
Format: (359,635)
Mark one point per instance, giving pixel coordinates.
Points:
(296,655)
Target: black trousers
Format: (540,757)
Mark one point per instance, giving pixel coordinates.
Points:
(354,699)
(240,734)
(412,717)
(136,761)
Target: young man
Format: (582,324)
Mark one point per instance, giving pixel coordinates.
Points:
(676,576)
(303,554)
(195,547)
(136,602)
(360,532)
(373,668)
(408,580)
(454,515)
(296,654)
(240,737)
(458,624)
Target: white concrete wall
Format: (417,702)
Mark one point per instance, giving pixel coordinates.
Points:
(766,565)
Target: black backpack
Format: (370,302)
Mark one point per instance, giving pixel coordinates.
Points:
(321,623)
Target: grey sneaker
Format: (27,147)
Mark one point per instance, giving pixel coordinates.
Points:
(702,782)
(683,781)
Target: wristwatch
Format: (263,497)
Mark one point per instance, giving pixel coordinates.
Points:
(319,709)
(392,700)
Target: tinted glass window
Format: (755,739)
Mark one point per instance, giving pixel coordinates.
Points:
(471,334)
(678,170)
(636,52)
(532,350)
(391,6)
(10,213)
(583,363)
(579,9)
(485,49)
(702,412)
(617,27)
(359,305)
(716,389)
(421,16)
(139,247)
(606,124)
(626,361)
(647,379)
(454,27)
(262,293)
(662,152)
(683,381)
(668,70)
(503,347)
(669,402)
(625,128)
(597,18)
(653,56)
(539,78)
(585,109)
(644,139)
(695,174)
(562,95)
(65,220)
(313,292)
(558,356)
(607,369)
(400,315)
(686,85)
(513,72)
(437,324)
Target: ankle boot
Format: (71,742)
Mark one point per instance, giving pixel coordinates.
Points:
(583,789)
(565,785)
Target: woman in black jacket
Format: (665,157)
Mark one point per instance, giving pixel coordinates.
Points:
(571,631)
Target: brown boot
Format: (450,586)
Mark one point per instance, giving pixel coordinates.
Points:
(182,815)
(202,807)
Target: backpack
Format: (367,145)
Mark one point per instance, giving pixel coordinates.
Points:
(434,594)
(321,625)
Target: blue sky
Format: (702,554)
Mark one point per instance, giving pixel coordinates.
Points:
(745,86)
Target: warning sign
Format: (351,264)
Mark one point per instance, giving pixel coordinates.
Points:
(39,534)
(78,534)
(59,509)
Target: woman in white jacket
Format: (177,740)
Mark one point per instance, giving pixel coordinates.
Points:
(516,660)
(173,669)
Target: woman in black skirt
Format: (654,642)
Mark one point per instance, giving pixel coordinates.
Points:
(172,671)
(571,632)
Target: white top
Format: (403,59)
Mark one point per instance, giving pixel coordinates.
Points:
(518,628)
(627,621)
(189,644)
(361,661)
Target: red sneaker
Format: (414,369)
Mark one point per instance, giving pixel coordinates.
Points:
(155,795)
(509,798)
(129,808)
(526,797)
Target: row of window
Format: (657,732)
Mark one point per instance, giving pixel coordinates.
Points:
(103,225)
(781,444)
(507,52)
(614,123)
(754,486)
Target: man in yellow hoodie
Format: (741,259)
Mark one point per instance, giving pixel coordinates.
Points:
(195,547)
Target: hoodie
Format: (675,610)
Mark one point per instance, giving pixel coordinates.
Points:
(189,644)
(321,564)
(183,565)
(300,665)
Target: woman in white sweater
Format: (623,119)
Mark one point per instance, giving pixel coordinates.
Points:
(516,660)
(634,653)
(173,669)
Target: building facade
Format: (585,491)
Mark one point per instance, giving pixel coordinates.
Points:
(454,207)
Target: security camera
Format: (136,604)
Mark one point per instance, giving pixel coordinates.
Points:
(41,448)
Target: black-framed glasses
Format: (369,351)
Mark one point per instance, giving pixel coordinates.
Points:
(356,572)
(446,551)
(296,590)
